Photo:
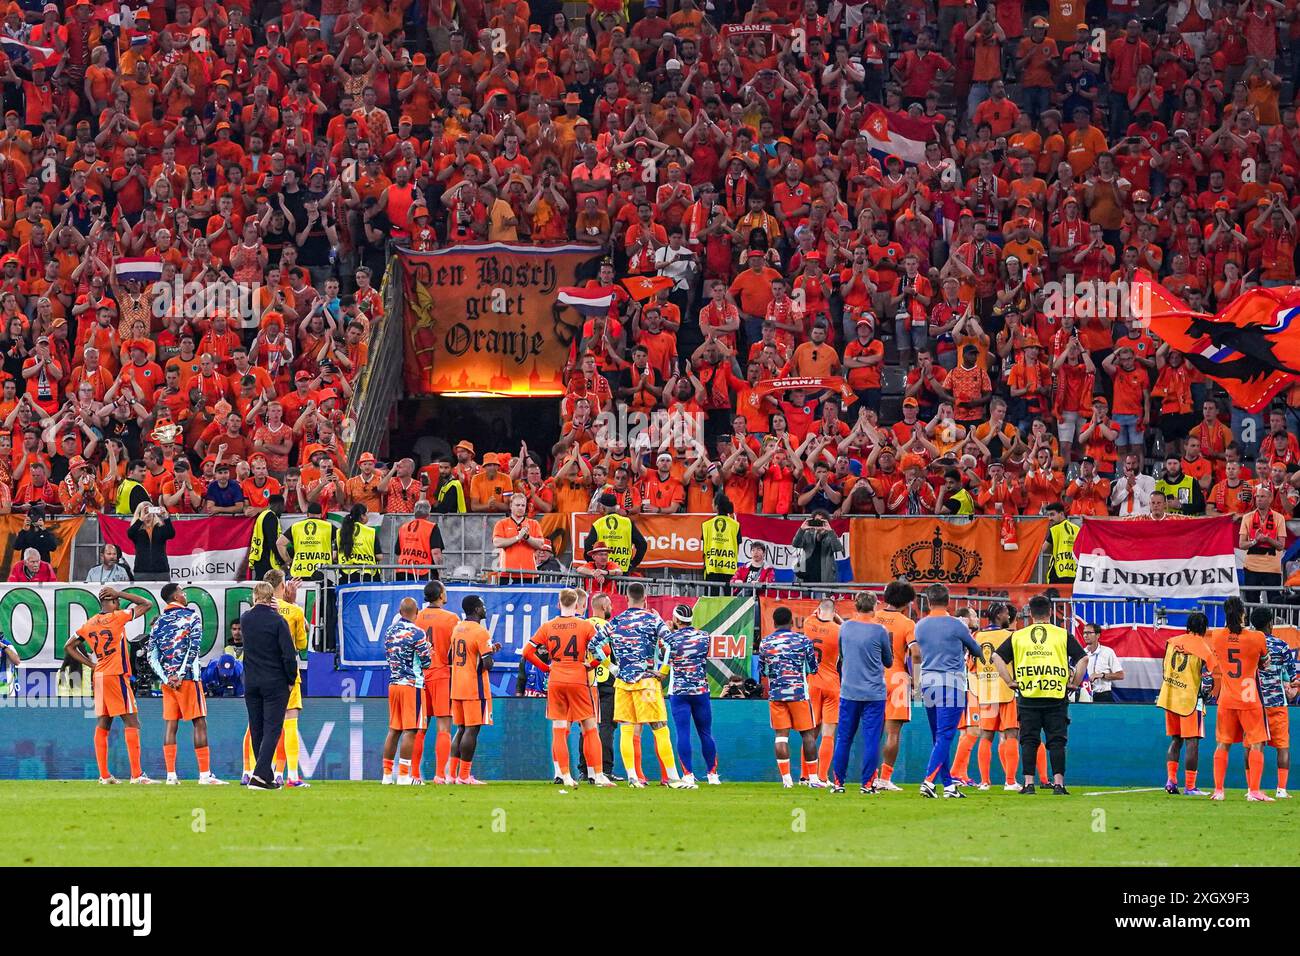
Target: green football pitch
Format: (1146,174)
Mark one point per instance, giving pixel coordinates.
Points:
(362,824)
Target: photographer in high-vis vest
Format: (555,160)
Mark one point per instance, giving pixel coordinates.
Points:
(1061,566)
(721,538)
(263,554)
(419,544)
(309,545)
(627,546)
(1046,663)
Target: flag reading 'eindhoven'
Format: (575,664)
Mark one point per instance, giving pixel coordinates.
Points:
(1176,561)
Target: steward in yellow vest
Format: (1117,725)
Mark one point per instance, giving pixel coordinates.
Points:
(309,545)
(721,538)
(627,546)
(263,551)
(1045,663)
(1061,565)
(357,546)
(131,491)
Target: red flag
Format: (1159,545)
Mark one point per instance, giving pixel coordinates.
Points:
(645,287)
(1251,346)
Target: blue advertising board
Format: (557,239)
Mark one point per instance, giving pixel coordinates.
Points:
(366,610)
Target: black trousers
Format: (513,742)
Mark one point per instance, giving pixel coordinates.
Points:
(1260,585)
(266,704)
(1050,720)
(605,727)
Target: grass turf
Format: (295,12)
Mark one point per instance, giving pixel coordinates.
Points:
(360,824)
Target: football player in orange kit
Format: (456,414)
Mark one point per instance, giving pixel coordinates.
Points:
(1240,652)
(471,695)
(570,697)
(436,621)
(823,628)
(106,635)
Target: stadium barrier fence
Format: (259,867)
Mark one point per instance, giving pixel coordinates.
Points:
(1110,744)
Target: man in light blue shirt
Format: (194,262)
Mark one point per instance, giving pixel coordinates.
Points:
(865,652)
(944,641)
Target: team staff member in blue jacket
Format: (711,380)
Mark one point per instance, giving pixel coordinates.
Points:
(944,641)
(865,651)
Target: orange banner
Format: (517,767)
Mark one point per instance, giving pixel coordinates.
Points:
(946,551)
(673,541)
(64,531)
(481,320)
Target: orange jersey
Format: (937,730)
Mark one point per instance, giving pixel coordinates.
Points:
(470,642)
(565,640)
(106,635)
(825,636)
(438,623)
(1239,656)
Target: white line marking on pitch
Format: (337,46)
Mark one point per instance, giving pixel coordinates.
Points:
(1106,793)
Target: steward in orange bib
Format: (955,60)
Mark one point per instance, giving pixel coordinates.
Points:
(419,543)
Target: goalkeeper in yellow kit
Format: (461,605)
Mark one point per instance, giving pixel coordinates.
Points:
(286,754)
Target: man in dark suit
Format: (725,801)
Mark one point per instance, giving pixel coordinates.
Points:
(270,669)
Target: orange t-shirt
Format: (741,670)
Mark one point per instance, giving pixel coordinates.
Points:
(518,556)
(901,629)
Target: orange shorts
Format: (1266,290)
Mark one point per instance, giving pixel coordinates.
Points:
(995,717)
(791,714)
(406,707)
(437,698)
(1279,727)
(1240,726)
(185,702)
(825,699)
(471,713)
(1191,727)
(113,695)
(898,705)
(571,702)
(970,715)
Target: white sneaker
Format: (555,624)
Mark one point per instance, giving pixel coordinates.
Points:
(142,779)
(387,780)
(951,792)
(109,780)
(682,784)
(927,789)
(982,787)
(714,779)
(173,780)
(816,783)
(787,784)
(888,786)
(689,778)
(603,781)
(1012,787)
(207,780)
(1258,796)
(403,781)
(568,781)
(1217,795)
(279,780)
(636,783)
(1282,794)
